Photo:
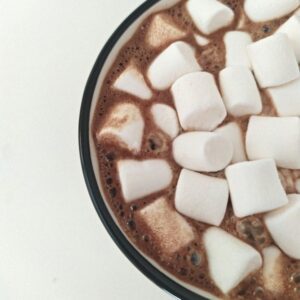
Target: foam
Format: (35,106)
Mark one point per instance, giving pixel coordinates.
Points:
(162,31)
(124,124)
(233,133)
(169,229)
(201,40)
(209,15)
(198,102)
(165,118)
(163,72)
(283,225)
(142,178)
(266,10)
(230,260)
(240,92)
(286,98)
(236,43)
(202,151)
(132,82)
(255,187)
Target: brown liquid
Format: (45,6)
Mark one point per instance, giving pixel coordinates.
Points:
(188,264)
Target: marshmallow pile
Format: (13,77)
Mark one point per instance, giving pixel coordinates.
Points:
(204,142)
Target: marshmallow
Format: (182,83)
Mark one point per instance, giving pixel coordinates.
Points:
(239,90)
(272,269)
(201,40)
(132,82)
(273,60)
(162,31)
(198,102)
(292,28)
(229,259)
(209,15)
(202,151)
(201,197)
(142,178)
(266,10)
(233,133)
(255,187)
(177,60)
(171,231)
(165,118)
(284,226)
(236,43)
(273,137)
(286,98)
(126,124)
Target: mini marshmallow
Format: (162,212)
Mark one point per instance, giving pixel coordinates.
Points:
(167,227)
(292,28)
(273,60)
(286,98)
(229,259)
(198,102)
(201,40)
(233,133)
(209,15)
(274,137)
(162,31)
(201,197)
(266,10)
(255,187)
(132,82)
(284,226)
(165,118)
(202,151)
(236,43)
(142,178)
(126,124)
(272,269)
(240,92)
(175,61)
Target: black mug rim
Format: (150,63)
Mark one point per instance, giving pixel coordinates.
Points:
(140,262)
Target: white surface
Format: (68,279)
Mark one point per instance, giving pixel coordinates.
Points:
(53,245)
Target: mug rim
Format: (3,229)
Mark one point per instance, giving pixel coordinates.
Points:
(136,258)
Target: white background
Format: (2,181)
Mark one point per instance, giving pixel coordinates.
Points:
(52,244)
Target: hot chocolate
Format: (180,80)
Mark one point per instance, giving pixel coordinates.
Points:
(197,133)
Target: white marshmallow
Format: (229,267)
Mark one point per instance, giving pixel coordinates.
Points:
(167,227)
(126,124)
(266,10)
(178,59)
(240,92)
(273,60)
(202,151)
(201,40)
(274,137)
(209,15)
(233,133)
(236,43)
(165,118)
(132,82)
(198,102)
(292,28)
(272,269)
(201,197)
(142,178)
(284,226)
(229,259)
(255,187)
(286,98)
(162,31)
